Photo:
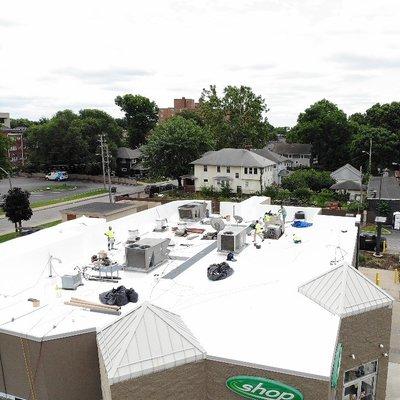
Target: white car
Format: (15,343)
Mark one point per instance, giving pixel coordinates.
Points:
(57,176)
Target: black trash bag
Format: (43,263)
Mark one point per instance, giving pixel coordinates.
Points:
(132,295)
(217,272)
(119,296)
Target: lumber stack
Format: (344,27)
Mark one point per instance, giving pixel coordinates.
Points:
(95,307)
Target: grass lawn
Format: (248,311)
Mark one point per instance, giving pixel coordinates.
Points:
(59,187)
(79,196)
(13,235)
(372,229)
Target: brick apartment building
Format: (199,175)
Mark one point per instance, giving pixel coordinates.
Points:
(179,105)
(17,150)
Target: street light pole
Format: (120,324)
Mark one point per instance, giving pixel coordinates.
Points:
(8,176)
(370,155)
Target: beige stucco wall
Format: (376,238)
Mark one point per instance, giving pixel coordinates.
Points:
(250,183)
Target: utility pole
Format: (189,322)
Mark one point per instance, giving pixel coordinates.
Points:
(102,159)
(370,156)
(108,172)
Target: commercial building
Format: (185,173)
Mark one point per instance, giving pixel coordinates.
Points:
(108,211)
(295,321)
(179,105)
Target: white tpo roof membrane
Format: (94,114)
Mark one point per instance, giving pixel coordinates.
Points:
(256,317)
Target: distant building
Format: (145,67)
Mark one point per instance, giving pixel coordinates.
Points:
(299,153)
(346,173)
(129,162)
(349,181)
(243,170)
(5,120)
(179,105)
(17,150)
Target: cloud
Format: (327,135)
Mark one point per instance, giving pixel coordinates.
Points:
(252,67)
(365,62)
(6,23)
(104,76)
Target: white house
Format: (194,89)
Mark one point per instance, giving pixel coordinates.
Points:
(348,180)
(299,153)
(243,170)
(282,163)
(346,173)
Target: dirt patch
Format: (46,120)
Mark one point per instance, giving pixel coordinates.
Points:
(388,261)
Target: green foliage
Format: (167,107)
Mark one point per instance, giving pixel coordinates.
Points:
(226,190)
(385,116)
(141,116)
(16,206)
(4,146)
(72,140)
(355,206)
(323,197)
(383,208)
(385,146)
(237,118)
(308,178)
(326,128)
(17,122)
(276,193)
(302,193)
(173,145)
(208,191)
(193,115)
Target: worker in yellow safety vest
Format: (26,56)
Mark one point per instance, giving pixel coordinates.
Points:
(267,218)
(110,238)
(258,231)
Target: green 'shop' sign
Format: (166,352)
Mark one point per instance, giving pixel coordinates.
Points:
(252,387)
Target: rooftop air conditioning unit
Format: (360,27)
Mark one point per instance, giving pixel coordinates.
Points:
(194,211)
(232,238)
(146,254)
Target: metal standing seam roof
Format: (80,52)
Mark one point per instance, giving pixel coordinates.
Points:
(147,340)
(234,158)
(346,168)
(344,291)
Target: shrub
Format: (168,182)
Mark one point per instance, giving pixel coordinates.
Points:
(208,191)
(308,178)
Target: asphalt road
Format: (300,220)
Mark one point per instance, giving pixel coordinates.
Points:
(53,213)
(32,184)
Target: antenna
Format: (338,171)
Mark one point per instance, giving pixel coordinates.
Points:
(217,223)
(238,219)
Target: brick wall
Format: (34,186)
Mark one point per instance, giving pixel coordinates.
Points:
(181,383)
(361,335)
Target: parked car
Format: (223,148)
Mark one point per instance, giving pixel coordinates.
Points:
(57,176)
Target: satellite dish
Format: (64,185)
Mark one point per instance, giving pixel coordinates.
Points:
(238,219)
(217,223)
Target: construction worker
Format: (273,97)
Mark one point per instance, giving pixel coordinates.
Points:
(267,217)
(296,239)
(283,214)
(110,238)
(258,231)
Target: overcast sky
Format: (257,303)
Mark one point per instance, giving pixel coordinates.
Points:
(82,54)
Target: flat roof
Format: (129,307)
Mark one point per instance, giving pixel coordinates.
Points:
(100,208)
(256,317)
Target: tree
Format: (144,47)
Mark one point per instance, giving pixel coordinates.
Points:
(16,122)
(173,145)
(385,147)
(141,116)
(325,126)
(193,115)
(384,116)
(4,146)
(72,140)
(237,119)
(17,207)
(308,179)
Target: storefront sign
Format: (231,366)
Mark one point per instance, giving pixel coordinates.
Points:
(336,366)
(252,387)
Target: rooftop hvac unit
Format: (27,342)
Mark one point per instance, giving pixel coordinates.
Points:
(195,211)
(71,282)
(233,238)
(146,254)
